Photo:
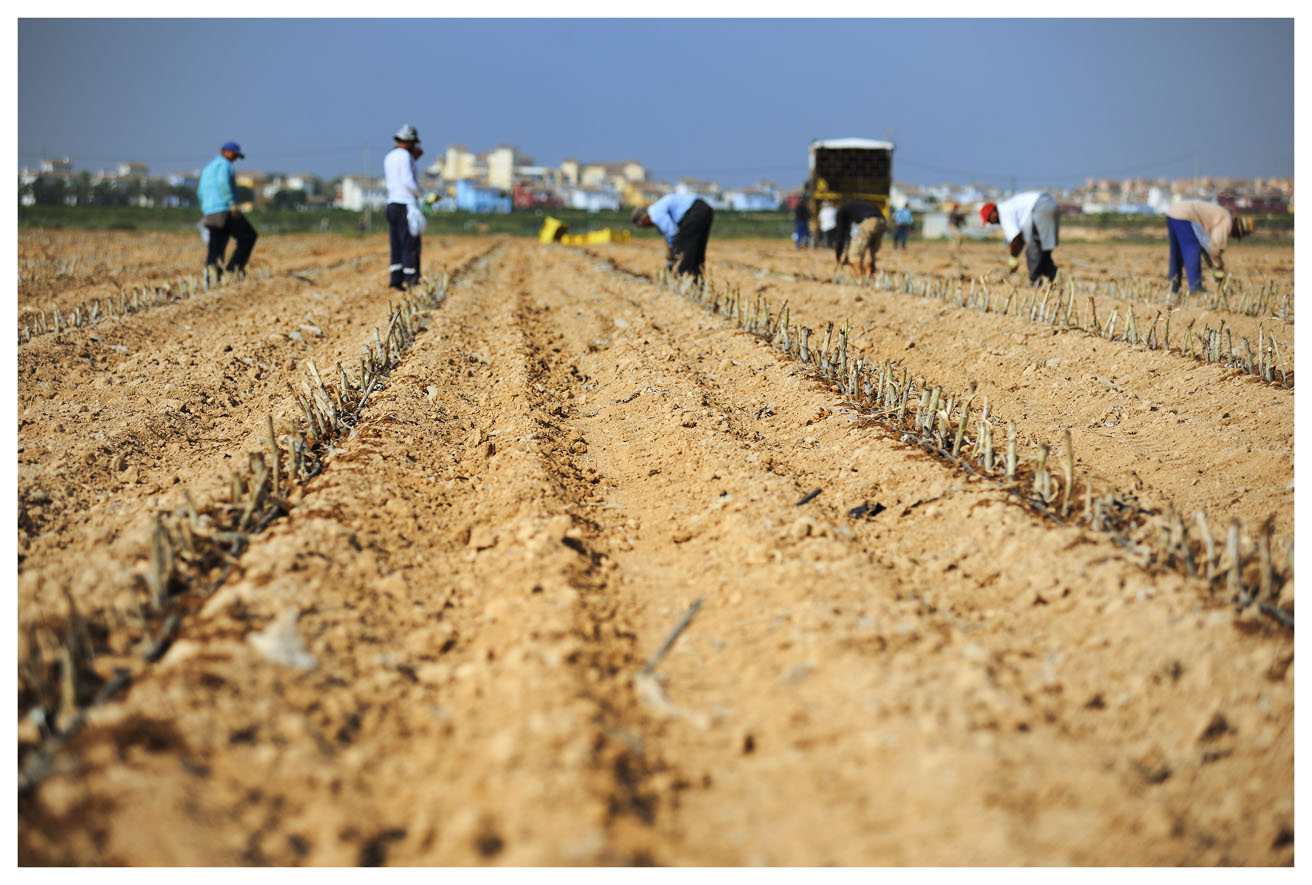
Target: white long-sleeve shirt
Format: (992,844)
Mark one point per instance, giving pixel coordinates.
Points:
(402,183)
(1017,216)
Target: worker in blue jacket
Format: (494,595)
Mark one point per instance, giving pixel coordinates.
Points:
(685,221)
(223,217)
(902,219)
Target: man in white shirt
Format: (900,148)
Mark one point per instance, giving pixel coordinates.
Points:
(403,194)
(1029,221)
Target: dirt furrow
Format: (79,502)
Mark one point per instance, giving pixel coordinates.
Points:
(451,622)
(80,266)
(768,266)
(704,492)
(105,432)
(1118,265)
(1174,432)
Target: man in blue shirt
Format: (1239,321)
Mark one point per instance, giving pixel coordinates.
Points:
(223,220)
(685,222)
(903,219)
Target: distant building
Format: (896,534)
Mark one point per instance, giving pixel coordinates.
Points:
(461,163)
(473,197)
(526,195)
(501,164)
(303,183)
(1251,204)
(57,166)
(183,179)
(594,199)
(300,183)
(360,192)
(618,175)
(751,199)
(644,194)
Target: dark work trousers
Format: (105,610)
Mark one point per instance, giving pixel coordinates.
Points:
(1038,259)
(1186,255)
(222,227)
(404,268)
(689,246)
(801,234)
(900,234)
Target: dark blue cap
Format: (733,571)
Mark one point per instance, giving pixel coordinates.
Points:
(234,147)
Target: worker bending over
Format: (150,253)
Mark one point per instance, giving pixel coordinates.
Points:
(685,222)
(1029,221)
(1200,231)
(859,231)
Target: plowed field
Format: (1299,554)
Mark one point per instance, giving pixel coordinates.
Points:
(591,575)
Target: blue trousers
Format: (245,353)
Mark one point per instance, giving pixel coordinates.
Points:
(1186,251)
(801,234)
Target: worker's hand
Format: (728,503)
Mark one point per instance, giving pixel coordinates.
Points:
(1012,263)
(235,211)
(1218,274)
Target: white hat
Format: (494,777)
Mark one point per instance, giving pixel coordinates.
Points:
(406,133)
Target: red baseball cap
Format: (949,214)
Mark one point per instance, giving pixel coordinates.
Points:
(986,210)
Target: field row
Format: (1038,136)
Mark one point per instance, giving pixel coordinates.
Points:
(1179,433)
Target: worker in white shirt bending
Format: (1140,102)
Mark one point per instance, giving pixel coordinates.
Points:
(403,195)
(1030,222)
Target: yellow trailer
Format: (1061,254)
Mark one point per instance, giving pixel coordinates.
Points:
(842,169)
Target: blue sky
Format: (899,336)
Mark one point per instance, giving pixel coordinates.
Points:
(1038,102)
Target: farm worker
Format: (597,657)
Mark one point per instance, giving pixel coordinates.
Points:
(403,195)
(860,227)
(902,218)
(955,222)
(685,222)
(827,214)
(1029,221)
(223,220)
(802,224)
(1199,230)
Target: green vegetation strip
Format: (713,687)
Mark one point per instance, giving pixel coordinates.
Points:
(775,224)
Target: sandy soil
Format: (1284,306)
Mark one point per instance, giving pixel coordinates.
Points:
(447,652)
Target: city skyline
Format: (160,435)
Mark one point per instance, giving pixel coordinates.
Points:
(737,104)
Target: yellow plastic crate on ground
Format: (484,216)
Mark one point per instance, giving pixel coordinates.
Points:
(554,231)
(605,235)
